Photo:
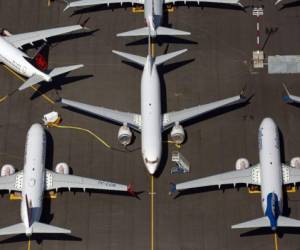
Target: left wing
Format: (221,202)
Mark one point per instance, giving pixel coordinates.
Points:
(290,174)
(247,176)
(25,38)
(56,181)
(236,2)
(183,115)
(84,3)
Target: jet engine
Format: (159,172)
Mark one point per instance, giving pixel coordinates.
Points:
(62,168)
(242,164)
(124,135)
(178,134)
(7,170)
(295,162)
(5,32)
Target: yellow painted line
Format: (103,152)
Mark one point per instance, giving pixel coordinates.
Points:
(276,241)
(29,244)
(84,130)
(151,212)
(49,3)
(23,80)
(153,49)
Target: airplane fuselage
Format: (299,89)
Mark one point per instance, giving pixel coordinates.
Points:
(151,131)
(15,59)
(271,170)
(153,12)
(33,177)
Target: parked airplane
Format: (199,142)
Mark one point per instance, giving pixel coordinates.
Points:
(34,179)
(269,173)
(153,13)
(151,123)
(16,59)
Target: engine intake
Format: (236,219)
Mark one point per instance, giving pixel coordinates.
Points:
(242,164)
(178,134)
(295,162)
(62,168)
(7,170)
(124,135)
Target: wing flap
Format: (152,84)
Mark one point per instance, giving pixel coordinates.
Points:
(131,119)
(246,176)
(290,174)
(12,182)
(56,181)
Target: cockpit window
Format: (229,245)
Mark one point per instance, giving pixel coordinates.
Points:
(151,162)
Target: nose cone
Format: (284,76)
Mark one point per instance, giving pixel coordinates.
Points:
(268,123)
(36,127)
(151,165)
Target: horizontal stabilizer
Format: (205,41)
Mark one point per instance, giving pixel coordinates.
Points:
(38,227)
(287,222)
(140,60)
(55,72)
(163,58)
(256,223)
(13,229)
(160,31)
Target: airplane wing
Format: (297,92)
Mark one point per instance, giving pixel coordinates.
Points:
(290,174)
(19,40)
(171,118)
(247,176)
(56,181)
(83,3)
(288,98)
(12,182)
(236,2)
(131,119)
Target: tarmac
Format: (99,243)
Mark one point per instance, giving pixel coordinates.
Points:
(217,65)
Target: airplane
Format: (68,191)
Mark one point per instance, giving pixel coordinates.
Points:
(34,179)
(153,14)
(32,68)
(270,174)
(151,123)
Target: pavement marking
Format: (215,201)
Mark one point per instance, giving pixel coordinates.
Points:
(29,244)
(152,212)
(48,99)
(276,241)
(84,130)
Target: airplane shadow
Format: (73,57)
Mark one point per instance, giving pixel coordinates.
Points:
(289,5)
(57,84)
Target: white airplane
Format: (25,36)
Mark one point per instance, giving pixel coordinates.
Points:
(151,123)
(269,173)
(153,13)
(16,59)
(34,179)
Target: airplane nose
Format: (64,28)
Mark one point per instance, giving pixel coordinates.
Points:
(151,165)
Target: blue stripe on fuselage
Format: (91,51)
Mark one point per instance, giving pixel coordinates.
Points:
(273,210)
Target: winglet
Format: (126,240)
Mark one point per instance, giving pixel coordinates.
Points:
(287,97)
(130,189)
(277,2)
(68,5)
(172,188)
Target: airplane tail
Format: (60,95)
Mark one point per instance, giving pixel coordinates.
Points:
(160,31)
(282,221)
(140,60)
(36,227)
(53,73)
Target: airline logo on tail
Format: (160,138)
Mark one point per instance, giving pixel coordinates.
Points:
(273,210)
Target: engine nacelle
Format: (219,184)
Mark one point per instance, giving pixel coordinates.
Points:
(62,168)
(7,170)
(241,164)
(178,134)
(295,162)
(124,135)
(5,32)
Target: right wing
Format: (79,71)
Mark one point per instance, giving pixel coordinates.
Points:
(55,181)
(12,182)
(237,2)
(131,119)
(83,3)
(19,40)
(183,115)
(247,176)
